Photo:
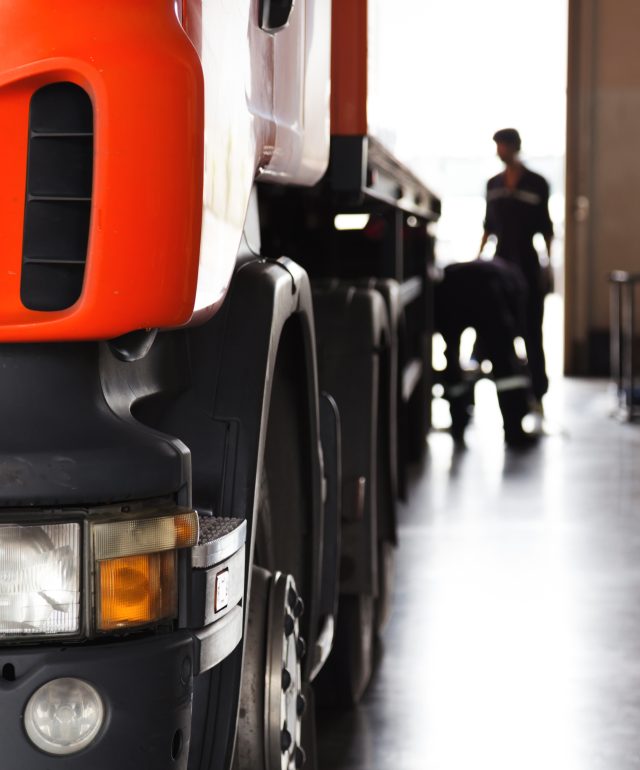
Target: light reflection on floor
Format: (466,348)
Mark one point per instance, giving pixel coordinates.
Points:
(515,638)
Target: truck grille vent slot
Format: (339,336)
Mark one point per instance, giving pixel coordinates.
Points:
(58,200)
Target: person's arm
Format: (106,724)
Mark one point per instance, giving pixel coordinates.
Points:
(483,242)
(486,224)
(546,229)
(546,225)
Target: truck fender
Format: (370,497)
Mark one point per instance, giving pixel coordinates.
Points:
(210,386)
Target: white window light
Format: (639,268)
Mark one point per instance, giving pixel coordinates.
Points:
(351,221)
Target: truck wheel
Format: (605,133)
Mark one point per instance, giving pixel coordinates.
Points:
(356,615)
(346,674)
(272,704)
(271,700)
(386,580)
(386,552)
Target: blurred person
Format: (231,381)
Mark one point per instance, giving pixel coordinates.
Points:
(517,209)
(487,296)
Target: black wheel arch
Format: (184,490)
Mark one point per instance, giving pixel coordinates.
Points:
(212,388)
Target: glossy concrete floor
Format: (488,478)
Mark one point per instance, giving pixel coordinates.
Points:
(515,637)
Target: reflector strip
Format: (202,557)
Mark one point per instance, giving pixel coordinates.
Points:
(512,383)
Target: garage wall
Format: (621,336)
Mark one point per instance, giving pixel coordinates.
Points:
(603,170)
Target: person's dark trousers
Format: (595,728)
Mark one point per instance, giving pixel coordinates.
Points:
(513,406)
(510,375)
(460,398)
(457,391)
(533,343)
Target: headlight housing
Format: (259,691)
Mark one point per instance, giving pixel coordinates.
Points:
(136,575)
(113,569)
(40,567)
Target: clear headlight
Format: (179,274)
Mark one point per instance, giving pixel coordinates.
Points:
(39,579)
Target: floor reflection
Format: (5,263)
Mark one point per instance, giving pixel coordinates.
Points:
(515,638)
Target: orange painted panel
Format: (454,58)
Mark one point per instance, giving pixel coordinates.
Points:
(145,82)
(349,67)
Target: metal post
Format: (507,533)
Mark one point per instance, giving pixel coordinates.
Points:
(616,368)
(632,291)
(627,346)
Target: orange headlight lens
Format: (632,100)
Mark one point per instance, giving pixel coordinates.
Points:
(136,590)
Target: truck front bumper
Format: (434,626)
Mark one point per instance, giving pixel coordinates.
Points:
(146,686)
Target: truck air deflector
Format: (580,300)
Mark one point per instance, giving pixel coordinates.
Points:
(58,197)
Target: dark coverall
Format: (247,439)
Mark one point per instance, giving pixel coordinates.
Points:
(514,217)
(488,297)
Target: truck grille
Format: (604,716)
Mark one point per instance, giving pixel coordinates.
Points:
(58,199)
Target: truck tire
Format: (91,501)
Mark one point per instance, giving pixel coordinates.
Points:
(344,679)
(272,701)
(418,410)
(357,369)
(386,491)
(386,581)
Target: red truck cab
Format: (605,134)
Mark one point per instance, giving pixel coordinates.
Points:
(210,392)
